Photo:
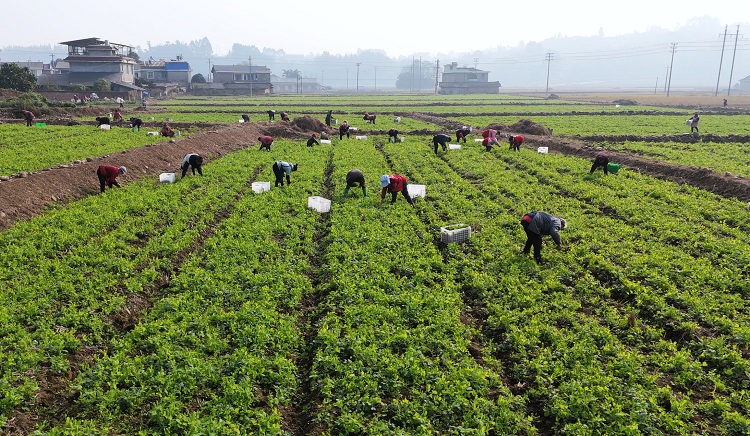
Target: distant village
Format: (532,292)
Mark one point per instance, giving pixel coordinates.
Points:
(92,59)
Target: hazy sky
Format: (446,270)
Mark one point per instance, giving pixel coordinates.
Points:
(401,28)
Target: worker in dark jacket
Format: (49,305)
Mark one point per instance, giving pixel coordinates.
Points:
(265,142)
(353,178)
(312,141)
(538,224)
(329,118)
(194,161)
(515,142)
(108,174)
(28,116)
(393,135)
(135,123)
(601,161)
(462,133)
(344,130)
(394,184)
(441,139)
(271,115)
(245,118)
(281,169)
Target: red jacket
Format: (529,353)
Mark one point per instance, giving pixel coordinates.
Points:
(397,183)
(109,173)
(266,140)
(517,140)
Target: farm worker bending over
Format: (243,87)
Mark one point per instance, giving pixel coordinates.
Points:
(329,118)
(117,117)
(601,161)
(393,135)
(194,161)
(29,116)
(280,169)
(394,184)
(441,139)
(167,131)
(245,118)
(694,122)
(135,123)
(537,224)
(344,130)
(515,142)
(271,115)
(354,177)
(284,116)
(107,175)
(489,142)
(312,140)
(462,133)
(265,142)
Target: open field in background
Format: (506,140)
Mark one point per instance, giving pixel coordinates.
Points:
(202,307)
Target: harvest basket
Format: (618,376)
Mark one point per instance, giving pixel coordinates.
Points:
(543,150)
(260,187)
(166,178)
(320,204)
(455,233)
(416,190)
(454,146)
(613,168)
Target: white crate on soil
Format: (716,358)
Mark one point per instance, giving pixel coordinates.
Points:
(166,178)
(416,190)
(454,146)
(542,150)
(320,204)
(259,187)
(455,233)
(325,141)
(361,137)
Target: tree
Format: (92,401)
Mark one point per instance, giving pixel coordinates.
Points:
(198,78)
(292,74)
(102,85)
(14,77)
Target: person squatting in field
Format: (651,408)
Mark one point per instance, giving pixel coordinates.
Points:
(441,139)
(538,224)
(265,142)
(167,131)
(194,161)
(393,135)
(107,175)
(281,169)
(601,161)
(515,142)
(462,133)
(284,116)
(394,184)
(312,141)
(344,130)
(135,123)
(353,178)
(369,118)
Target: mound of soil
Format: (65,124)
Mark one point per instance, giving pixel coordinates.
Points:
(499,127)
(529,127)
(310,124)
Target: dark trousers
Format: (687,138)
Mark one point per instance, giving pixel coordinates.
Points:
(194,168)
(535,240)
(102,181)
(405,193)
(266,146)
(598,164)
(341,134)
(279,173)
(694,127)
(28,122)
(445,147)
(393,138)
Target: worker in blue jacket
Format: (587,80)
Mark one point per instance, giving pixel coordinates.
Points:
(538,224)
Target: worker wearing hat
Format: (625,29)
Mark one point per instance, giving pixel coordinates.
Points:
(108,174)
(312,140)
(537,224)
(394,184)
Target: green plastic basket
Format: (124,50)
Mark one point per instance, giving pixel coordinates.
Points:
(40,124)
(613,168)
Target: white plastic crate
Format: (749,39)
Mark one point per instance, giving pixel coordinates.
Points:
(455,233)
(152,133)
(353,129)
(105,127)
(260,187)
(478,139)
(416,190)
(361,137)
(454,146)
(325,141)
(166,178)
(241,121)
(320,204)
(542,150)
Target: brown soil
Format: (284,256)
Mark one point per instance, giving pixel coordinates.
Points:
(28,195)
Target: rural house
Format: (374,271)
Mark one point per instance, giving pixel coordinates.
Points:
(240,78)
(166,76)
(744,85)
(35,68)
(294,85)
(466,80)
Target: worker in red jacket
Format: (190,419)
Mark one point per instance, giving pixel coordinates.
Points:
(394,184)
(167,131)
(515,142)
(107,175)
(265,142)
(29,116)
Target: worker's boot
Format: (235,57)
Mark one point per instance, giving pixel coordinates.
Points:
(364,191)
(346,192)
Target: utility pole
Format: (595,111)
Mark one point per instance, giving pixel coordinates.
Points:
(347,79)
(420,74)
(721,60)
(731,71)
(51,61)
(656,85)
(358,64)
(437,72)
(671,68)
(665,80)
(376,77)
(411,84)
(476,61)
(549,59)
(250,61)
(209,70)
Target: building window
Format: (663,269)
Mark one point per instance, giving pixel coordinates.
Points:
(150,75)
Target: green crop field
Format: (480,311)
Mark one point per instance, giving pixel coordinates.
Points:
(202,307)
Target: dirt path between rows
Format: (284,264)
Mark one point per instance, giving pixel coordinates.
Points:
(26,197)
